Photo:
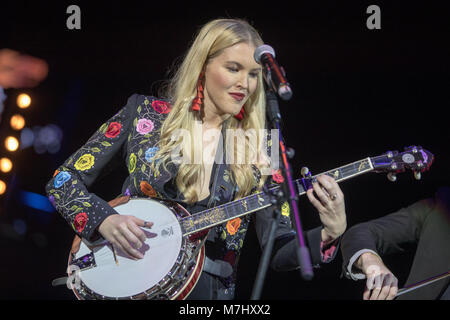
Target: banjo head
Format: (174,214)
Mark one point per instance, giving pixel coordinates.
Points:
(128,277)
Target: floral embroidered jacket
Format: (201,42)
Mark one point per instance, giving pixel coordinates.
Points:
(132,134)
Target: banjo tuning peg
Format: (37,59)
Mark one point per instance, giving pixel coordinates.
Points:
(417,175)
(305,172)
(392,177)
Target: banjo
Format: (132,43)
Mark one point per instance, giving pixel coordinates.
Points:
(174,253)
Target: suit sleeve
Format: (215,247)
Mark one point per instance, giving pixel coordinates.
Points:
(385,235)
(284,254)
(68,188)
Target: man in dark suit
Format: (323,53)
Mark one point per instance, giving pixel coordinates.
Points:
(425,223)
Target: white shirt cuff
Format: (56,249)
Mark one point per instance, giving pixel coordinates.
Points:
(357,275)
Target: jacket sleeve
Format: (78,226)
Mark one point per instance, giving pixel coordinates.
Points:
(68,188)
(284,254)
(385,235)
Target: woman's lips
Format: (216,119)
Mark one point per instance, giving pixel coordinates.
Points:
(238,96)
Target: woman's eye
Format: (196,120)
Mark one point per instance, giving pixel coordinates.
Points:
(233,69)
(253,75)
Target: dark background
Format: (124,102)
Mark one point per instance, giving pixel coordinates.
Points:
(357,93)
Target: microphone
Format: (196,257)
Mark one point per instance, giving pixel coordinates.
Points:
(275,76)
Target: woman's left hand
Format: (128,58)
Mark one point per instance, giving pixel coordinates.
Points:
(329,201)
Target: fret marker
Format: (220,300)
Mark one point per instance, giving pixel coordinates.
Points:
(336,174)
(362,165)
(260,199)
(217,215)
(244,204)
(187,224)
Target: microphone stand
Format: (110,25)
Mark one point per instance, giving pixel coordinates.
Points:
(285,193)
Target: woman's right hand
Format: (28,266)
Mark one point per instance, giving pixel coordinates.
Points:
(124,233)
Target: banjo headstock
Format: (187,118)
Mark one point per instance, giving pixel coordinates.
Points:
(413,158)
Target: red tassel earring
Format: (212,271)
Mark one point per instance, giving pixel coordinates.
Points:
(240,115)
(198,100)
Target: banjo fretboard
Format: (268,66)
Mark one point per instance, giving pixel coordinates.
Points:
(257,201)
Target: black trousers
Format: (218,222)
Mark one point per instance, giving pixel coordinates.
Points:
(209,287)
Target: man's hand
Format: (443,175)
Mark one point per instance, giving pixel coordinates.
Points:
(381,283)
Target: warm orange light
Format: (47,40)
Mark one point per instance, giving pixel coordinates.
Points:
(5,165)
(23,100)
(11,143)
(2,187)
(17,122)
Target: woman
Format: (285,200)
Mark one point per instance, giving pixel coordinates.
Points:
(217,88)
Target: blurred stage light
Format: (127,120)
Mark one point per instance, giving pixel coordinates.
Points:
(47,139)
(5,165)
(23,101)
(36,201)
(26,138)
(43,139)
(17,122)
(20,226)
(2,187)
(11,143)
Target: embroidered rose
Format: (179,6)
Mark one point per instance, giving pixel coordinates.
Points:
(150,153)
(132,163)
(285,209)
(85,162)
(113,130)
(80,221)
(61,178)
(233,225)
(161,106)
(277,176)
(144,126)
(147,189)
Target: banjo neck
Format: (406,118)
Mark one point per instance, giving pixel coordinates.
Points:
(261,200)
(414,158)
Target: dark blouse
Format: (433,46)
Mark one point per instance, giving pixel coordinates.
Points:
(131,135)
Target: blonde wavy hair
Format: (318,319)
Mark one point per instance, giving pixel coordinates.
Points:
(181,89)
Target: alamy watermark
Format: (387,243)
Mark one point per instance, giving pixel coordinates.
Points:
(374,20)
(74,20)
(252,147)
